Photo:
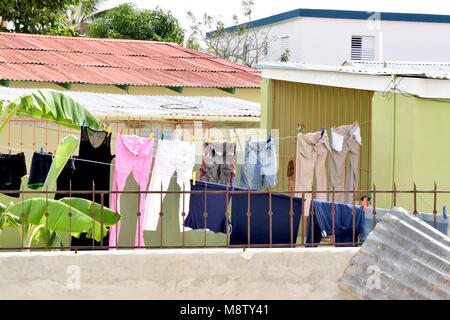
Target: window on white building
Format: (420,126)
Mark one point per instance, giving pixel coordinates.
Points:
(363,48)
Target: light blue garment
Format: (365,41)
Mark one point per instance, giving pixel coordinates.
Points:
(442,222)
(260,165)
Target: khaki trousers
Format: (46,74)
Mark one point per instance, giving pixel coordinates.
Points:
(350,146)
(312,151)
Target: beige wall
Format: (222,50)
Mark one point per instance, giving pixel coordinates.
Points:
(253,95)
(176,274)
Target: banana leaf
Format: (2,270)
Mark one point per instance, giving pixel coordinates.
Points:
(90,208)
(66,148)
(7,219)
(50,105)
(58,217)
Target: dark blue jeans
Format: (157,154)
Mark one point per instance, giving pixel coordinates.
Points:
(343,222)
(260,220)
(214,205)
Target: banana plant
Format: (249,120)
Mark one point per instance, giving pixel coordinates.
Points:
(40,219)
(49,105)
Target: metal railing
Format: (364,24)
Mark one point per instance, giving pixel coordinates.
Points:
(228,193)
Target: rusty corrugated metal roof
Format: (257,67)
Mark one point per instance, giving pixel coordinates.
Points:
(403,258)
(25,57)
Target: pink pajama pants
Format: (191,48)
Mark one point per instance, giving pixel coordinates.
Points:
(133,154)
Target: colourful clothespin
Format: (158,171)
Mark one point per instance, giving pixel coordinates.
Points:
(162,136)
(234,140)
(121,131)
(323,131)
(444,211)
(269,139)
(84,124)
(192,139)
(194,175)
(151,136)
(109,130)
(42,150)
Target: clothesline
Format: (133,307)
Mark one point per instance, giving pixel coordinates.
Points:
(225,138)
(143,170)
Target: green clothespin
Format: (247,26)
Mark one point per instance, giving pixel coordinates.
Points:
(162,136)
(299,128)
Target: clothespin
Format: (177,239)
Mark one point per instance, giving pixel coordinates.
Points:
(270,138)
(109,130)
(192,139)
(323,131)
(121,131)
(444,211)
(209,141)
(151,136)
(365,203)
(299,128)
(42,150)
(194,174)
(84,124)
(162,136)
(234,140)
(9,151)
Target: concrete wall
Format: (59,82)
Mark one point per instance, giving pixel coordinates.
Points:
(177,274)
(328,41)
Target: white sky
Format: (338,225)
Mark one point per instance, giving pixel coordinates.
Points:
(264,8)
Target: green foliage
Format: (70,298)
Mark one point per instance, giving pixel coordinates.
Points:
(71,215)
(128,22)
(285,55)
(37,16)
(50,105)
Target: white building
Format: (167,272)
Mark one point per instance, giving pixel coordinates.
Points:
(331,37)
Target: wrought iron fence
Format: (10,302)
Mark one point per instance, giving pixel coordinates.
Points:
(228,216)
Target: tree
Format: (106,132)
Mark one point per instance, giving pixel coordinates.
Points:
(285,55)
(79,15)
(128,22)
(242,44)
(37,16)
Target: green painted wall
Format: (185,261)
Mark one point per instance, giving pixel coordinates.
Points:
(411,147)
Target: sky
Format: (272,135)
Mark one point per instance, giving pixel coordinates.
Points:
(263,8)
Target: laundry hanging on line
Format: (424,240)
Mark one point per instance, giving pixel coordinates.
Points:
(133,155)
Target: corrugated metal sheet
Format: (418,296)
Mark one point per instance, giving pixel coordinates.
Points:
(403,258)
(419,70)
(149,106)
(110,61)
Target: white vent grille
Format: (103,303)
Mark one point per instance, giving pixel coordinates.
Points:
(363,48)
(266,49)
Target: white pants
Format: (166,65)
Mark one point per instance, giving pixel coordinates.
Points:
(171,156)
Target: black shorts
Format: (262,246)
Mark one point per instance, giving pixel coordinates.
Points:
(40,165)
(12,169)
